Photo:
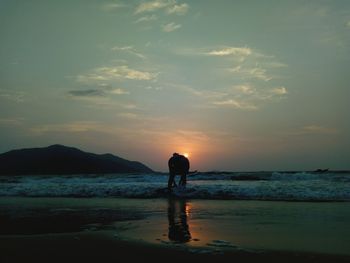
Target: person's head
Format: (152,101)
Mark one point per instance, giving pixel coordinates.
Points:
(175,154)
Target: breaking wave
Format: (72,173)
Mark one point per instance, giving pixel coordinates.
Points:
(288,186)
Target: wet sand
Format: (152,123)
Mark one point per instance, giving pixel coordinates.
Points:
(100,247)
(161,230)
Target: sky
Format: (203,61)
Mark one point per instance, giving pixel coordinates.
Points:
(237,85)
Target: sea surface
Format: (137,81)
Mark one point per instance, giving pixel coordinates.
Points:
(270,186)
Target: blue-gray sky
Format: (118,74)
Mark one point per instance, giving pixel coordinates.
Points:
(238,85)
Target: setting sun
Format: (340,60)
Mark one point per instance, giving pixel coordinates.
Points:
(186,155)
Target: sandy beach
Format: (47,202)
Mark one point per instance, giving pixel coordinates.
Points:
(169,230)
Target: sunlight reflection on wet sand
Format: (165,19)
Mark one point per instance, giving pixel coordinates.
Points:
(313,227)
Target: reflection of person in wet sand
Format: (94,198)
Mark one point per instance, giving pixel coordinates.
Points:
(177,217)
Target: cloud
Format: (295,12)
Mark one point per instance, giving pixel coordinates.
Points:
(244,88)
(203,93)
(259,73)
(12,122)
(236,104)
(146,19)
(274,64)
(128,115)
(170,27)
(154,88)
(244,96)
(208,94)
(81,127)
(255,72)
(317,129)
(119,91)
(178,9)
(313,130)
(97,92)
(171,7)
(78,126)
(231,51)
(128,49)
(239,54)
(107,100)
(152,6)
(279,91)
(252,59)
(86,93)
(247,97)
(16,96)
(193,134)
(112,6)
(115,73)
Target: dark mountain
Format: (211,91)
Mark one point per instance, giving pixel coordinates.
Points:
(59,159)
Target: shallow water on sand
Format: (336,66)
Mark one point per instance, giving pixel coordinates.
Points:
(213,224)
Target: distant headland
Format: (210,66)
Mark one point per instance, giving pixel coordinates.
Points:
(60,159)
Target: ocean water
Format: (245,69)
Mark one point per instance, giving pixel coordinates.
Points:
(275,186)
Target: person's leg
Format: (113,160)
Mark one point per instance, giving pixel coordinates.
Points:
(183,180)
(171,180)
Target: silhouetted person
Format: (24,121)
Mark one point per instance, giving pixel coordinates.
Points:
(178,164)
(177,217)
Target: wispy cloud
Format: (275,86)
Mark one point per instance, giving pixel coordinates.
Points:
(247,91)
(169,6)
(170,27)
(259,73)
(10,121)
(230,51)
(129,106)
(252,72)
(73,127)
(119,91)
(274,64)
(154,88)
(239,54)
(97,92)
(86,93)
(16,96)
(130,50)
(202,93)
(180,9)
(128,115)
(146,19)
(112,6)
(317,129)
(207,94)
(243,96)
(313,129)
(115,73)
(152,6)
(244,88)
(348,24)
(255,72)
(279,91)
(245,58)
(236,104)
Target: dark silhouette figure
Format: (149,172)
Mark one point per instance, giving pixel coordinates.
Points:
(178,164)
(177,217)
